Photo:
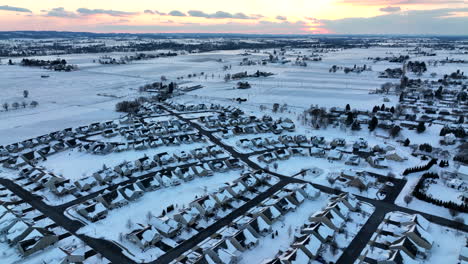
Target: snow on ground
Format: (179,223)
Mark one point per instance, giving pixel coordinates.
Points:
(439,190)
(446,248)
(423,206)
(71,98)
(74,164)
(155,202)
(286,227)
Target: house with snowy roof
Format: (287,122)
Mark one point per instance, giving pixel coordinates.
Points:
(85,184)
(92,211)
(309,244)
(294,256)
(244,239)
(149,184)
(144,236)
(167,227)
(321,231)
(17,232)
(37,239)
(420,236)
(187,217)
(131,192)
(328,217)
(72,254)
(205,205)
(406,245)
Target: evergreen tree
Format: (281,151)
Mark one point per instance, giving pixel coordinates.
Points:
(421,127)
(373,123)
(349,119)
(348,108)
(407,142)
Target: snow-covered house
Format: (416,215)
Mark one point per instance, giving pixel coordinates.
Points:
(205,205)
(233,163)
(167,227)
(249,181)
(182,156)
(36,240)
(184,173)
(317,152)
(236,189)
(298,152)
(397,257)
(284,204)
(167,179)
(187,217)
(347,199)
(309,244)
(353,160)
(420,237)
(328,217)
(334,155)
(463,172)
(17,232)
(112,199)
(163,158)
(105,176)
(224,252)
(201,171)
(7,220)
(144,237)
(149,184)
(14,162)
(319,230)
(417,219)
(378,162)
(131,192)
(125,168)
(395,156)
(294,256)
(217,166)
(268,157)
(244,239)
(85,184)
(72,254)
(144,164)
(223,196)
(449,139)
(406,245)
(282,154)
(259,224)
(92,211)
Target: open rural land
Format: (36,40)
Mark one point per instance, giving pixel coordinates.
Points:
(222,149)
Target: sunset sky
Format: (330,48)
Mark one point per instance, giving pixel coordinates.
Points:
(447,17)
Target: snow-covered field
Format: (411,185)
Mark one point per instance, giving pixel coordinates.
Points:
(89,94)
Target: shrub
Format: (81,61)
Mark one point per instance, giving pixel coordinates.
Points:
(127,106)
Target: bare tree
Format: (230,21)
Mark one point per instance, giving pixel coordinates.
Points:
(24,104)
(34,103)
(129,224)
(25,93)
(5,106)
(15,105)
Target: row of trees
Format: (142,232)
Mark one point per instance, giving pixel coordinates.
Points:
(459,132)
(420,168)
(16,105)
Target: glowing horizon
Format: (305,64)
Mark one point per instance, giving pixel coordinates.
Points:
(246,16)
